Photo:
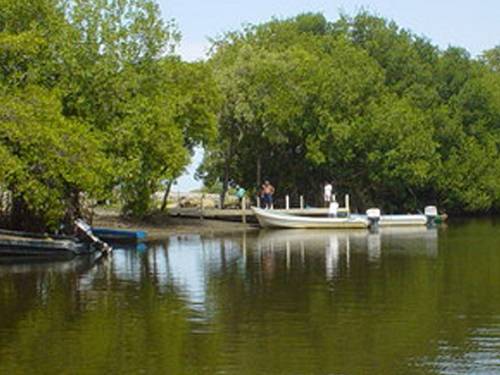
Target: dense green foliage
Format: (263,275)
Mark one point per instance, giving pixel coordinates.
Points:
(382,112)
(93,98)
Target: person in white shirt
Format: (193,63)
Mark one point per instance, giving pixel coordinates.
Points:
(327,196)
(333,209)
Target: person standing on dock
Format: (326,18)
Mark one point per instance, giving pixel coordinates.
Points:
(240,193)
(327,194)
(267,191)
(333,209)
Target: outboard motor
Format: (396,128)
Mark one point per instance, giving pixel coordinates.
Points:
(86,230)
(373,215)
(431,213)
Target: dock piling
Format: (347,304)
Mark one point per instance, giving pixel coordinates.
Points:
(201,207)
(243,210)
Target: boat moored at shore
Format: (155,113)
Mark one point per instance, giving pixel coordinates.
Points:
(372,219)
(17,243)
(270,219)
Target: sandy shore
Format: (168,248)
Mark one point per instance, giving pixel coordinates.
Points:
(161,226)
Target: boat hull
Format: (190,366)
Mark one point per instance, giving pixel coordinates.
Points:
(402,220)
(119,235)
(269,219)
(23,244)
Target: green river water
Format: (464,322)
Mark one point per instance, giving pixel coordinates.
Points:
(414,301)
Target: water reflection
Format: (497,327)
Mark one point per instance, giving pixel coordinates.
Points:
(29,265)
(287,301)
(337,245)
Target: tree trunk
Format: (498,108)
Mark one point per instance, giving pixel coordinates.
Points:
(259,172)
(73,211)
(22,218)
(227,171)
(165,196)
(225,183)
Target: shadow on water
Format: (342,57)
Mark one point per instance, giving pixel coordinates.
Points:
(27,264)
(410,300)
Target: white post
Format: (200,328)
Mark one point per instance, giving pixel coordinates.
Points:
(301,202)
(287,202)
(243,208)
(258,201)
(201,206)
(347,203)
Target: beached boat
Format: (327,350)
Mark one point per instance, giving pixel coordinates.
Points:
(16,243)
(271,219)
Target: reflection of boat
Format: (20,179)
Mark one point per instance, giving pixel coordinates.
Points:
(309,236)
(332,247)
(418,240)
(270,219)
(27,264)
(410,240)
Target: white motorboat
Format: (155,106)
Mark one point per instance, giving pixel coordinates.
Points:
(373,218)
(427,218)
(408,220)
(402,220)
(272,219)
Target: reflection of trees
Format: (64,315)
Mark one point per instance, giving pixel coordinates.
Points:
(381,311)
(106,326)
(329,305)
(28,285)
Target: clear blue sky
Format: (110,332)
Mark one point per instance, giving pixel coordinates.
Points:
(474,25)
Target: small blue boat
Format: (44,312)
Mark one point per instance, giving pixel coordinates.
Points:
(120,235)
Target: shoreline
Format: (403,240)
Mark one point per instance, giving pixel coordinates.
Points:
(161,226)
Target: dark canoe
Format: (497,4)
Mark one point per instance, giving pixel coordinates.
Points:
(13,243)
(119,235)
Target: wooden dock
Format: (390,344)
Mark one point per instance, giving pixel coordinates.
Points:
(244,214)
(217,212)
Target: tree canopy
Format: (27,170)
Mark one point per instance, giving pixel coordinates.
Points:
(94,98)
(382,112)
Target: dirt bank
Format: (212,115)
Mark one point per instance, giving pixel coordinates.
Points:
(160,226)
